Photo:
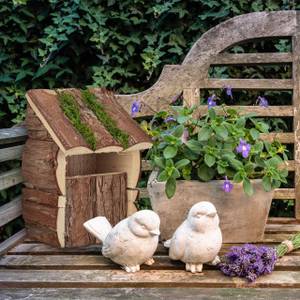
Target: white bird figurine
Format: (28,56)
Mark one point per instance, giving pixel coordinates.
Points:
(131,242)
(198,239)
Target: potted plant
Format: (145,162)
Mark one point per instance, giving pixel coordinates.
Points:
(219,158)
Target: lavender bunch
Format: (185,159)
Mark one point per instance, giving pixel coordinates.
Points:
(248,261)
(289,245)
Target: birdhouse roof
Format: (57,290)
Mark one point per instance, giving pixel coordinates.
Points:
(47,106)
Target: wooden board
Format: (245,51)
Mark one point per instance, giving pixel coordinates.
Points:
(39,165)
(151,293)
(90,196)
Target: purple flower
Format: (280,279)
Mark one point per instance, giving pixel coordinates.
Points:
(228,91)
(263,101)
(185,136)
(135,107)
(243,148)
(211,101)
(227,185)
(170,119)
(248,261)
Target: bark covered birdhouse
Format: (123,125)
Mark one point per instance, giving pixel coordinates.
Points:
(81,160)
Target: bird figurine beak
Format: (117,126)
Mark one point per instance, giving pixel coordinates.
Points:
(155,232)
(212,214)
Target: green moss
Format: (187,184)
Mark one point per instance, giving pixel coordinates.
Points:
(110,125)
(71,110)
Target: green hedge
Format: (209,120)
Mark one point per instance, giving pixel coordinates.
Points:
(121,45)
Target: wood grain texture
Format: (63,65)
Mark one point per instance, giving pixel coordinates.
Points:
(252,58)
(10,178)
(88,262)
(144,278)
(39,165)
(12,241)
(10,210)
(11,153)
(151,293)
(12,135)
(274,111)
(296,103)
(90,196)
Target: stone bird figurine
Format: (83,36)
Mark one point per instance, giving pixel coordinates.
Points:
(131,242)
(198,239)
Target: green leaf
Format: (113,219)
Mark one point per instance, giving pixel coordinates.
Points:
(170,152)
(204,134)
(205,173)
(221,132)
(254,133)
(175,173)
(159,162)
(163,176)
(237,178)
(193,145)
(178,131)
(248,189)
(209,160)
(182,163)
(170,187)
(221,170)
(267,183)
(212,114)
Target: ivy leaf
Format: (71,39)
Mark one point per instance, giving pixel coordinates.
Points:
(170,152)
(248,189)
(170,187)
(178,131)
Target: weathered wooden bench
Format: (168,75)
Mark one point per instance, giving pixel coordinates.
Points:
(33,270)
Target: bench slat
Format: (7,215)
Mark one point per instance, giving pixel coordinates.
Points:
(271,111)
(252,58)
(144,278)
(10,178)
(11,153)
(250,84)
(81,262)
(151,293)
(10,211)
(12,135)
(12,241)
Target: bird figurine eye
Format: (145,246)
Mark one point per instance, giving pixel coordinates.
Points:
(199,215)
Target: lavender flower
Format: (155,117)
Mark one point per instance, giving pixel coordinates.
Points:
(248,261)
(229,91)
(227,185)
(263,101)
(170,119)
(135,107)
(243,148)
(211,101)
(185,136)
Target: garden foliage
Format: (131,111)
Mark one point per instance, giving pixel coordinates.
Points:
(121,45)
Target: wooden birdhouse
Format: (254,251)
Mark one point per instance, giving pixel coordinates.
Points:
(81,160)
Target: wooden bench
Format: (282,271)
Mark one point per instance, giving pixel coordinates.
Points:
(33,270)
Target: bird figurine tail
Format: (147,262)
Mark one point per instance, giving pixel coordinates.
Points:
(99,227)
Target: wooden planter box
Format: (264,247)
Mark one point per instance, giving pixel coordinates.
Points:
(242,218)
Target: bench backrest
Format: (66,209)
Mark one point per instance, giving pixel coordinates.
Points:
(192,76)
